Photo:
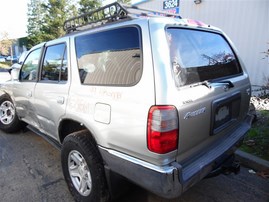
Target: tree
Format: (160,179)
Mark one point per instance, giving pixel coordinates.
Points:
(5,43)
(56,14)
(35,22)
(46,19)
(124,1)
(88,5)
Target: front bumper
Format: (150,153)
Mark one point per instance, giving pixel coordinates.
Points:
(172,180)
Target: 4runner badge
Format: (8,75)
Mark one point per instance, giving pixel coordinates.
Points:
(194,113)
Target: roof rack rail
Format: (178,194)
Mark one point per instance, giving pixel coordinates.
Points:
(138,11)
(110,13)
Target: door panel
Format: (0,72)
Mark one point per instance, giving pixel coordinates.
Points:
(51,91)
(23,90)
(23,95)
(50,102)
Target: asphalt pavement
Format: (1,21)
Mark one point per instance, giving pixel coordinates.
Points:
(30,170)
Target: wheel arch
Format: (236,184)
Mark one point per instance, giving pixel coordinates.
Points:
(3,93)
(68,126)
(13,123)
(81,143)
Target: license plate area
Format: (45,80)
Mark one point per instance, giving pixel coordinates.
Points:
(224,112)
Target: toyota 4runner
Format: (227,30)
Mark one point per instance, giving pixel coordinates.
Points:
(134,94)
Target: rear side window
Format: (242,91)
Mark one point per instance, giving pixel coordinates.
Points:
(198,56)
(110,58)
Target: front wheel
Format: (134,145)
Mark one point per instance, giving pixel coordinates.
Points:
(83,168)
(9,121)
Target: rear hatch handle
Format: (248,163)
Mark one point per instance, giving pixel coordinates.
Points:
(203,83)
(228,84)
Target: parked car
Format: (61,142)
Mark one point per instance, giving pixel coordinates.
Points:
(2,58)
(12,59)
(138,95)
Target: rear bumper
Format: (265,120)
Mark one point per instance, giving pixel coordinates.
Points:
(172,180)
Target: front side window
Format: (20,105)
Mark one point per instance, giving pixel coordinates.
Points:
(110,58)
(29,70)
(54,67)
(198,56)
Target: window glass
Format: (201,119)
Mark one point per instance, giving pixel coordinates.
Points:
(110,58)
(54,66)
(198,56)
(29,70)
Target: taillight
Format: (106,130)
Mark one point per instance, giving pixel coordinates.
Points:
(162,134)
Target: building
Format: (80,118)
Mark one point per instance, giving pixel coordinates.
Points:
(246,22)
(19,46)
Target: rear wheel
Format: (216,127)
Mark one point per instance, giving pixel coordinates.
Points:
(9,121)
(83,168)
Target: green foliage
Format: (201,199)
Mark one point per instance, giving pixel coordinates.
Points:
(257,140)
(124,1)
(35,23)
(88,5)
(46,17)
(55,15)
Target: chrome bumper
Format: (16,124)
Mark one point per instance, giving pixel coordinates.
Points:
(172,180)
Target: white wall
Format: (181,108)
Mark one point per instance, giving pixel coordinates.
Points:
(246,22)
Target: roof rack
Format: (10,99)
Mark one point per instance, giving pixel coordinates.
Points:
(111,13)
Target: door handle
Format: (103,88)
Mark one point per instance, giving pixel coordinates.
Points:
(60,100)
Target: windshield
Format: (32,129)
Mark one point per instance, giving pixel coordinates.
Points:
(198,56)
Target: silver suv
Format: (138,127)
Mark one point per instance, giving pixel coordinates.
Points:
(131,94)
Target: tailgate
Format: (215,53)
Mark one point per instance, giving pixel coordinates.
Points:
(210,113)
(213,90)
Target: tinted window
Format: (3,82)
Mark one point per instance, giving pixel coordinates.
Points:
(29,70)
(110,58)
(54,67)
(198,56)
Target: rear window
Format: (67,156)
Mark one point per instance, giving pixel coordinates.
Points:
(112,57)
(198,56)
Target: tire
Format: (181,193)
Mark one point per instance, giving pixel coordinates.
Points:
(9,121)
(82,167)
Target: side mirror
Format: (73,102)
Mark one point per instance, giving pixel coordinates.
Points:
(15,74)
(16,66)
